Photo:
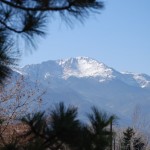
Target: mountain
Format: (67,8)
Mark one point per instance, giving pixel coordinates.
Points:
(85,82)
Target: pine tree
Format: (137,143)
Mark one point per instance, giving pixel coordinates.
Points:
(61,130)
(97,135)
(8,57)
(131,141)
(127,139)
(64,131)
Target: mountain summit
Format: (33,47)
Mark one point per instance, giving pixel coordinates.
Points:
(77,67)
(84,67)
(85,82)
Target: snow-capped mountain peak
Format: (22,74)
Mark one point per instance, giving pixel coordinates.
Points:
(84,67)
(84,82)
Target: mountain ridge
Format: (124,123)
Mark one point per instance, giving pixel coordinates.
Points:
(84,82)
(88,67)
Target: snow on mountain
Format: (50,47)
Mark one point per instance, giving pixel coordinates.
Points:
(84,82)
(142,80)
(77,67)
(81,67)
(84,67)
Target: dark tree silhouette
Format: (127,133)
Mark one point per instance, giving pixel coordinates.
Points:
(128,139)
(131,141)
(64,131)
(97,135)
(61,130)
(28,19)
(7,56)
(65,125)
(138,144)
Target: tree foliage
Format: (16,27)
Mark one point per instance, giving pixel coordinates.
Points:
(127,139)
(131,141)
(98,135)
(63,130)
(60,130)
(7,55)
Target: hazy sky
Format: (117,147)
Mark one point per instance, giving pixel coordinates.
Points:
(118,37)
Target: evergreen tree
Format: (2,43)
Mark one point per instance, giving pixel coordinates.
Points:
(8,57)
(127,139)
(64,131)
(97,135)
(131,141)
(61,130)
(65,125)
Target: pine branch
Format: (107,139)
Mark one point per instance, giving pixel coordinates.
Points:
(70,4)
(10,28)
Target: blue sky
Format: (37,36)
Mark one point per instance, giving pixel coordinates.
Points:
(118,37)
